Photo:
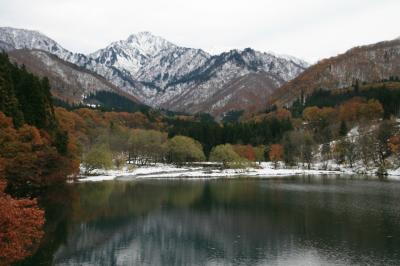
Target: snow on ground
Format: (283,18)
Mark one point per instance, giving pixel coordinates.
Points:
(169,171)
(394,174)
(210,170)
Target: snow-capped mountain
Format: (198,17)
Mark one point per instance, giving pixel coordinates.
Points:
(132,54)
(162,74)
(11,38)
(195,91)
(145,65)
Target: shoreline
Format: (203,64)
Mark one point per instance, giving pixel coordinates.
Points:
(264,170)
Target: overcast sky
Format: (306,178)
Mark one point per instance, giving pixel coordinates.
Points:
(308,29)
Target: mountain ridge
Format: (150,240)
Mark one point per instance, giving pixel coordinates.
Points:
(366,63)
(164,75)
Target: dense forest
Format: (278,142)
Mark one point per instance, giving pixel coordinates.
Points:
(34,153)
(44,143)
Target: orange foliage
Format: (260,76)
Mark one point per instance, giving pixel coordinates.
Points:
(276,153)
(348,111)
(394,144)
(90,116)
(29,157)
(21,224)
(357,109)
(245,151)
(282,114)
(371,110)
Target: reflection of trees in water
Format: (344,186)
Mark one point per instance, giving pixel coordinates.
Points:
(57,204)
(244,221)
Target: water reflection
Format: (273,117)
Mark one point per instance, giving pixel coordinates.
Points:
(299,221)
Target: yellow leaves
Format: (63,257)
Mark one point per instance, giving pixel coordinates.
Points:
(371,110)
(315,114)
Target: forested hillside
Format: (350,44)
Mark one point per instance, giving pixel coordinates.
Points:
(369,63)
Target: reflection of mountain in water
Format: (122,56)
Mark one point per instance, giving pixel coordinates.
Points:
(236,222)
(177,237)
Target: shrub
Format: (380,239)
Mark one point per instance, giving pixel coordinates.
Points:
(182,149)
(99,157)
(226,155)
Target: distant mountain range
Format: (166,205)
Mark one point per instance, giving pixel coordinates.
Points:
(156,72)
(153,71)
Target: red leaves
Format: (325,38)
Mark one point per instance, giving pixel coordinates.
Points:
(276,153)
(245,151)
(21,222)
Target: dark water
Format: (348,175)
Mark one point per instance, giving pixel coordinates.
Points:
(295,221)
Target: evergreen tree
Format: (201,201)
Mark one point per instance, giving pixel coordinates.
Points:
(343,129)
(25,97)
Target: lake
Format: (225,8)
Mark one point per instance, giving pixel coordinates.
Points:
(290,221)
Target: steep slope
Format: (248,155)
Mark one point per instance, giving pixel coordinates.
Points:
(249,93)
(365,64)
(68,81)
(132,54)
(11,39)
(219,77)
(144,64)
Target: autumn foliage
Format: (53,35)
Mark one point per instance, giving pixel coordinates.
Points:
(394,144)
(276,153)
(29,156)
(358,109)
(21,222)
(245,151)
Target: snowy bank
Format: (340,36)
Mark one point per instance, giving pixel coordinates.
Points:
(170,171)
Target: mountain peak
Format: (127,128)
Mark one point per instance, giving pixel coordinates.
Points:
(147,43)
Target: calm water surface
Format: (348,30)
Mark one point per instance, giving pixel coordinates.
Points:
(293,221)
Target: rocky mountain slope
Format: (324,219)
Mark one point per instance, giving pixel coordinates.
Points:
(164,75)
(366,64)
(68,82)
(213,85)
